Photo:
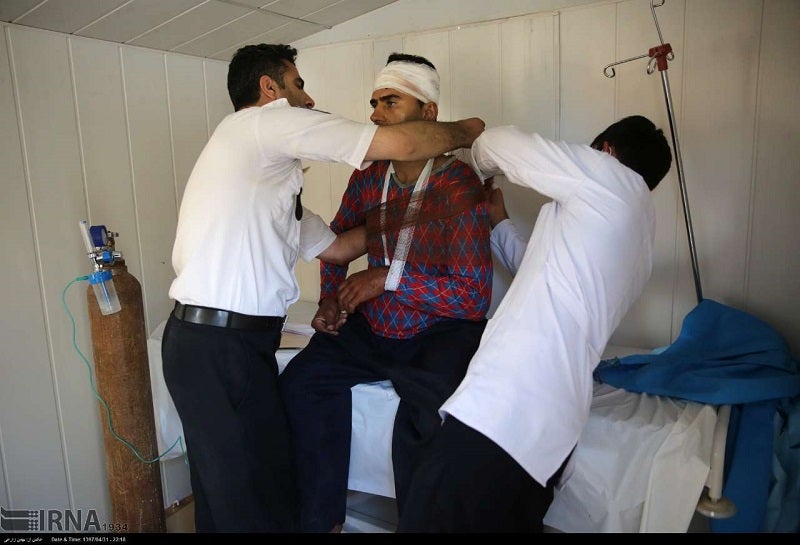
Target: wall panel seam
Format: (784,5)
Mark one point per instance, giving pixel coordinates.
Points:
(126,107)
(753,169)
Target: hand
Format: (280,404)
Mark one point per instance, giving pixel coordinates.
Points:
(473,127)
(361,286)
(497,205)
(329,317)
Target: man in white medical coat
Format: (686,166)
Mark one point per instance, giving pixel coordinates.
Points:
(511,425)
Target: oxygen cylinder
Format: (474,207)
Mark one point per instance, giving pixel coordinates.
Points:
(119,343)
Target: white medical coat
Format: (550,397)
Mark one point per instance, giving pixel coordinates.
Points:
(529,385)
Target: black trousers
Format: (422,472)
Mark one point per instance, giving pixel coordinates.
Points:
(425,370)
(468,484)
(224,383)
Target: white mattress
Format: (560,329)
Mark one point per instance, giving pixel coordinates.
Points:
(639,466)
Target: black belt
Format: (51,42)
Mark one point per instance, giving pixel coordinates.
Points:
(226,318)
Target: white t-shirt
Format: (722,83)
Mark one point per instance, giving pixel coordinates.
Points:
(507,245)
(529,385)
(237,239)
(315,235)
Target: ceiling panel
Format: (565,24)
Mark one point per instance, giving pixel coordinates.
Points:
(283,35)
(67,15)
(12,9)
(190,25)
(205,28)
(346,10)
(300,8)
(252,24)
(289,33)
(135,18)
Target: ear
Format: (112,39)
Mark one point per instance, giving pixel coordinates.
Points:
(430,111)
(268,88)
(609,149)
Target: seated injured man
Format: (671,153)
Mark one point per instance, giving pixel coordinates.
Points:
(414,316)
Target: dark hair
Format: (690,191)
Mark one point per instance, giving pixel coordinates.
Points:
(640,146)
(404,57)
(251,62)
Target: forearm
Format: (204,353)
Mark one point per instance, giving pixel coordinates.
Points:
(348,246)
(415,140)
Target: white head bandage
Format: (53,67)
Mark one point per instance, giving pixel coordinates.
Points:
(418,80)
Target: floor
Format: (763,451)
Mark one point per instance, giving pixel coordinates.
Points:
(366,513)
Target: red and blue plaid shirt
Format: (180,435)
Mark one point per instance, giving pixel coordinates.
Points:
(457,286)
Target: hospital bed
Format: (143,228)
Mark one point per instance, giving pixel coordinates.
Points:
(644,463)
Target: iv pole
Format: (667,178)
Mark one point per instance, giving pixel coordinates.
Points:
(712,504)
(659,55)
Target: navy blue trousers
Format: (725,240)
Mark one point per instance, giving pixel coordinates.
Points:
(425,370)
(224,383)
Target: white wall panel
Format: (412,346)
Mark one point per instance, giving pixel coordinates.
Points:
(773,289)
(187,112)
(717,137)
(475,73)
(47,108)
(217,99)
(31,449)
(345,74)
(153,176)
(529,76)
(587,43)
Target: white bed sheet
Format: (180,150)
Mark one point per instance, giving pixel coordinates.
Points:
(640,465)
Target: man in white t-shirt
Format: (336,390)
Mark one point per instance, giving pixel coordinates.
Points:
(240,230)
(512,423)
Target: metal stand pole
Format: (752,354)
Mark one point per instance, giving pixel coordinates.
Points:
(682,185)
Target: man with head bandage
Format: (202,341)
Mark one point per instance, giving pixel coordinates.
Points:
(414,316)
